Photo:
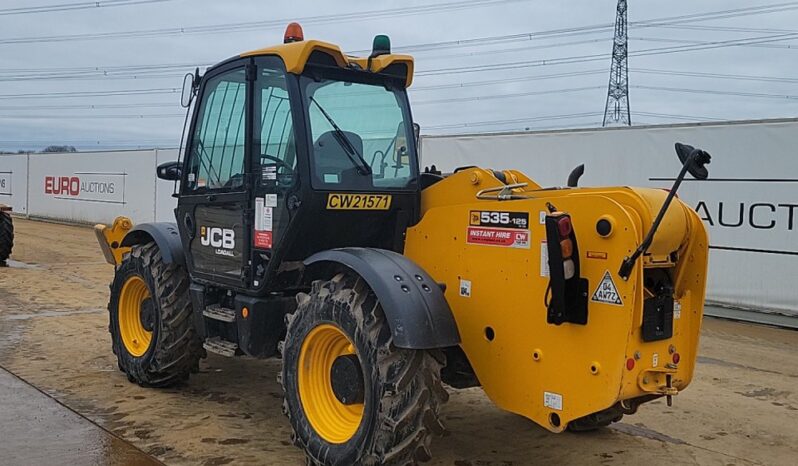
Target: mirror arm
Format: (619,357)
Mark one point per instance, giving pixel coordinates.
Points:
(696,156)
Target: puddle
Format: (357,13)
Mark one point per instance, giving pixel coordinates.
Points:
(53,313)
(641,431)
(39,430)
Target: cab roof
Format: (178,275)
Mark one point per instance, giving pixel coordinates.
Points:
(296,55)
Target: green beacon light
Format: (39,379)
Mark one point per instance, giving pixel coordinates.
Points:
(382,45)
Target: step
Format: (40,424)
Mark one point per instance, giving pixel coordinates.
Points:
(221,347)
(217,312)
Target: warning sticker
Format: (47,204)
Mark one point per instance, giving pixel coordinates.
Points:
(263,239)
(552,400)
(606,292)
(498,237)
(264,216)
(465,288)
(544,259)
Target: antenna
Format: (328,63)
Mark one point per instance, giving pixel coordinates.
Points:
(616,112)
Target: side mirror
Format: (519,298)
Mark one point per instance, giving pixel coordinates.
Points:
(170,171)
(696,165)
(188,90)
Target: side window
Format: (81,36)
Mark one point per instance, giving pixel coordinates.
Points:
(217,149)
(276,130)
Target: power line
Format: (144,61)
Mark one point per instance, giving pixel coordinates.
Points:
(741,77)
(517,120)
(74,6)
(507,96)
(481,41)
(92,117)
(87,106)
(697,42)
(717,92)
(57,95)
(595,57)
(673,116)
(261,25)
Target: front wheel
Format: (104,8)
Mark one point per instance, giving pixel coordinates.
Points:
(351,396)
(152,331)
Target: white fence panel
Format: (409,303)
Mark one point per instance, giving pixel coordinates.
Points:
(93,187)
(14,182)
(750,202)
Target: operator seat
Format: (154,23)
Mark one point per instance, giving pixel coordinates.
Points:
(334,167)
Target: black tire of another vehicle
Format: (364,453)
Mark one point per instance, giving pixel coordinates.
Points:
(6,236)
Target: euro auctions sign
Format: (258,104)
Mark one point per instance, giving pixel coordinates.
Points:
(87,187)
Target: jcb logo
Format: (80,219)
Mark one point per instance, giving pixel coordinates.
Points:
(216,237)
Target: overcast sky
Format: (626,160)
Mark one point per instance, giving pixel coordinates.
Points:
(748,81)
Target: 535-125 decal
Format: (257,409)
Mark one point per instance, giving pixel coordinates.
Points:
(499,228)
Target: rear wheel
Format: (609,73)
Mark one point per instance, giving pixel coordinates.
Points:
(6,236)
(351,396)
(151,328)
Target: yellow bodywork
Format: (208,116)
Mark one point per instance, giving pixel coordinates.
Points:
(295,56)
(110,239)
(524,363)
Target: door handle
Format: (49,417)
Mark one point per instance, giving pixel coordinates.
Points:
(210,197)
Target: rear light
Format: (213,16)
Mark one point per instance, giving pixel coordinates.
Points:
(567,299)
(569,269)
(567,248)
(676,358)
(564,226)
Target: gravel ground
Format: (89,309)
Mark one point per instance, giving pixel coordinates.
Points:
(742,407)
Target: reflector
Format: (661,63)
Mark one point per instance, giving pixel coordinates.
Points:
(564,226)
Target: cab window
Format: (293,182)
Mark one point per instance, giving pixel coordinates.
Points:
(359,134)
(217,147)
(275,129)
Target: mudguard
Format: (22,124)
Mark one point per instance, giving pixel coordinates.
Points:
(414,304)
(165,236)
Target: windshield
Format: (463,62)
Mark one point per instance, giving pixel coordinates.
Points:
(361,140)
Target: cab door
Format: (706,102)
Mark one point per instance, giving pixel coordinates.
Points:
(213,208)
(275,167)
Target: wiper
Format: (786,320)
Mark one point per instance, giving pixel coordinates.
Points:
(357,159)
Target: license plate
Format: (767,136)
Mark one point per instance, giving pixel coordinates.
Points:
(341,201)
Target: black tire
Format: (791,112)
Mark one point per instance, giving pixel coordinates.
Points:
(6,236)
(174,350)
(402,388)
(594,421)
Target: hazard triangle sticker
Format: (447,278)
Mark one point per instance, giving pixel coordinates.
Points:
(606,292)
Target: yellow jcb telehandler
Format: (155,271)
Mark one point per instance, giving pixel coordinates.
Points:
(305,229)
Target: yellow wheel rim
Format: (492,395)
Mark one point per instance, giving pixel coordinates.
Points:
(334,421)
(134,336)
